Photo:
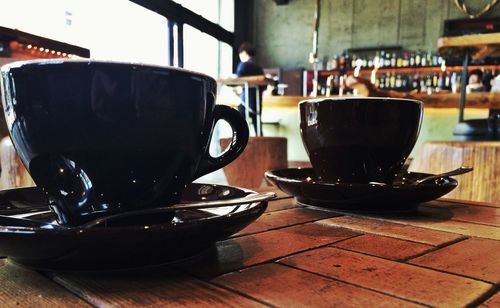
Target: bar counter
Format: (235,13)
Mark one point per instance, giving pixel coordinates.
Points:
(280,117)
(481,100)
(443,254)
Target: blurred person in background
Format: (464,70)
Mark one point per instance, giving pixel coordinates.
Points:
(475,83)
(248,67)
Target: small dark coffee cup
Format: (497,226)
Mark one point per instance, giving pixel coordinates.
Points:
(103,137)
(359,140)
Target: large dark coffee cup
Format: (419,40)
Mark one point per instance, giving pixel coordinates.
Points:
(103,137)
(359,140)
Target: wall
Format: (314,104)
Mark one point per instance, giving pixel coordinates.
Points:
(283,34)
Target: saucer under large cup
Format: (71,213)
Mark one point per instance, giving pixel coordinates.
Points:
(402,195)
(30,235)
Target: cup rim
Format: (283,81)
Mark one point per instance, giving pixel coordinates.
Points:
(20,63)
(374,98)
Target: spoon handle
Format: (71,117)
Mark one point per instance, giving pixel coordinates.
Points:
(229,202)
(457,171)
(252,198)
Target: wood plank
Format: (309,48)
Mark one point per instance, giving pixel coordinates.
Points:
(492,302)
(285,218)
(476,258)
(391,229)
(241,252)
(405,281)
(296,288)
(154,288)
(462,212)
(384,247)
(446,225)
(22,287)
(451,100)
(466,202)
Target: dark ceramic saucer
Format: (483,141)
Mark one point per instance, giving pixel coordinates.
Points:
(404,194)
(30,235)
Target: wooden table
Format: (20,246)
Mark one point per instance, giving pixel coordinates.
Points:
(445,255)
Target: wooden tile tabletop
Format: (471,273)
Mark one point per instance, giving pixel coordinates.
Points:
(445,254)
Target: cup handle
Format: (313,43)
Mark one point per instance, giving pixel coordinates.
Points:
(237,145)
(69,189)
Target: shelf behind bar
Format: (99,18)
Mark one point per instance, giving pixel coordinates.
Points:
(481,45)
(411,70)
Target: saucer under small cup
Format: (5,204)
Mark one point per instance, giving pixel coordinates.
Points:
(403,194)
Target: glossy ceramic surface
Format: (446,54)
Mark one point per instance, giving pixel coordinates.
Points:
(358,140)
(101,137)
(30,235)
(403,194)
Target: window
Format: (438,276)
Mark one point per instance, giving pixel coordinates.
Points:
(122,30)
(202,52)
(115,31)
(205,54)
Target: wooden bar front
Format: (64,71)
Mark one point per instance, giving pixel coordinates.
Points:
(483,100)
(482,184)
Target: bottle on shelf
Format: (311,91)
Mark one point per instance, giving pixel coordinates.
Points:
(392,81)
(418,59)
(387,60)
(405,61)
(399,60)
(412,59)
(382,82)
(404,70)
(335,63)
(429,58)
(393,60)
(370,62)
(423,59)
(399,82)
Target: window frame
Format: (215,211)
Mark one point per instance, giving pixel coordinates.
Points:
(177,16)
